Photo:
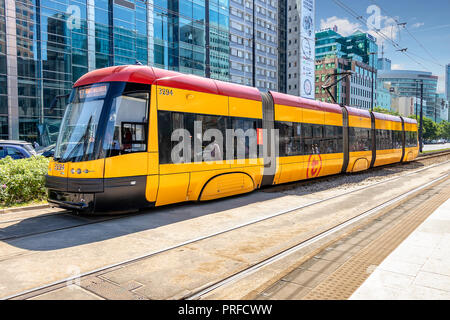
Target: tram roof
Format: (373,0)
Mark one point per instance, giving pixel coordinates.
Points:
(294,101)
(387,117)
(150,75)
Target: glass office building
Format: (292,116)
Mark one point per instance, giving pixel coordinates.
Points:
(254,21)
(3,78)
(46,45)
(447,81)
(407,83)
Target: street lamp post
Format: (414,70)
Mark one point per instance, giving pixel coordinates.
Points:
(421,118)
(373,68)
(415,102)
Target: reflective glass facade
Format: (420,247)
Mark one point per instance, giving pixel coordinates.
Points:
(57,41)
(192,37)
(3,79)
(447,81)
(407,83)
(254,21)
(129,20)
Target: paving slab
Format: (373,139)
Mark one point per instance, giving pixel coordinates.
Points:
(427,273)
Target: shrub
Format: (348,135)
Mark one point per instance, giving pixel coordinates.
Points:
(22,180)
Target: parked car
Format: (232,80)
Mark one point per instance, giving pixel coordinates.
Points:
(47,152)
(16,149)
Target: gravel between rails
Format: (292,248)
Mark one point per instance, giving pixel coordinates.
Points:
(350,181)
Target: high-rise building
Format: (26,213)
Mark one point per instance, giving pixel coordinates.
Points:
(282,45)
(384,64)
(356,53)
(407,106)
(300,48)
(408,83)
(3,75)
(447,81)
(46,45)
(384,96)
(254,21)
(441,107)
(326,67)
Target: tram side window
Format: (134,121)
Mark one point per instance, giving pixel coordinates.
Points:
(307,132)
(245,136)
(318,145)
(209,146)
(359,139)
(397,139)
(169,122)
(126,131)
(332,140)
(213,144)
(289,138)
(384,139)
(411,139)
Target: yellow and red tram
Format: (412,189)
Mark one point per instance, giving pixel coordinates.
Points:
(117,151)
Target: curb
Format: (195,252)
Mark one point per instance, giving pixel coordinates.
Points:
(26,208)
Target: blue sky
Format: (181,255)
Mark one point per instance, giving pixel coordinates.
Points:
(428,21)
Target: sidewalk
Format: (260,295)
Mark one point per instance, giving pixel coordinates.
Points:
(419,268)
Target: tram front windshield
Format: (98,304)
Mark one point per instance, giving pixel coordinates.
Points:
(78,130)
(103,120)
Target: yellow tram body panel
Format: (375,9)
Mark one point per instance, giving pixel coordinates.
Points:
(182,100)
(359,161)
(209,179)
(411,152)
(360,122)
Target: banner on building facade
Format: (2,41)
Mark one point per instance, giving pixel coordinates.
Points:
(307,48)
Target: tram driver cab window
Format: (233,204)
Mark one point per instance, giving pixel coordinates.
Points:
(127,123)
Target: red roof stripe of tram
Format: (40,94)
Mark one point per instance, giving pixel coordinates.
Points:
(293,101)
(358,112)
(388,117)
(409,120)
(149,75)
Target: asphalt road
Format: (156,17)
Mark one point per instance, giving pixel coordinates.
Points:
(428,147)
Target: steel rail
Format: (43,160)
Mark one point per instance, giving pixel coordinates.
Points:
(251,222)
(109,218)
(274,258)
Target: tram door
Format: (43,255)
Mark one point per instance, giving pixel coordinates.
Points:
(270,141)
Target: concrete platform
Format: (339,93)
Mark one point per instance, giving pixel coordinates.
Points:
(417,269)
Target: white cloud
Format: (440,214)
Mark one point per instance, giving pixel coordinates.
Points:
(417,25)
(388,27)
(388,30)
(396,66)
(345,27)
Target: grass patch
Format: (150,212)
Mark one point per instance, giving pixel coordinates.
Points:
(23,204)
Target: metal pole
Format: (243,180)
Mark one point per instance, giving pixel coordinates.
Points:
(415,102)
(435,107)
(371,96)
(421,118)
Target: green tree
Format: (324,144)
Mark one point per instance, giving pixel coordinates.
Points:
(430,128)
(444,129)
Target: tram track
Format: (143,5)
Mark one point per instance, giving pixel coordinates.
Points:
(58,284)
(308,242)
(87,220)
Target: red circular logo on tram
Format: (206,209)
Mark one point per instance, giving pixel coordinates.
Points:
(314,166)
